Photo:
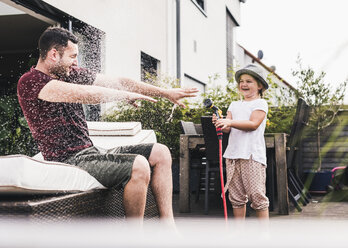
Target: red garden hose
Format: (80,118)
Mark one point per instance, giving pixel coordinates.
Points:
(219,134)
(209,104)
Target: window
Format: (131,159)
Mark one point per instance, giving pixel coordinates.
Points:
(149,67)
(201,5)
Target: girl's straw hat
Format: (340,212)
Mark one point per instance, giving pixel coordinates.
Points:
(254,71)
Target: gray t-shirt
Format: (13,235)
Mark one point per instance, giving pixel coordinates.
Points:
(243,144)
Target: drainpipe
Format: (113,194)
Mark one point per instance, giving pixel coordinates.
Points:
(70,25)
(178,44)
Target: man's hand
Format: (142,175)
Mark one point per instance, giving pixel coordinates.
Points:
(174,95)
(135,96)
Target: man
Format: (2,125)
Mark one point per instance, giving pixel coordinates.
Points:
(51,96)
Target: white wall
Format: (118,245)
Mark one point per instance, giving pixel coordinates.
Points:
(209,33)
(131,26)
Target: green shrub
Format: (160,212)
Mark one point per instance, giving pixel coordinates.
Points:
(15,136)
(280,119)
(164,118)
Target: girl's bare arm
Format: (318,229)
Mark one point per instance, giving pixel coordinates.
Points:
(252,124)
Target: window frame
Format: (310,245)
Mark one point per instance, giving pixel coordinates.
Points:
(202,10)
(142,69)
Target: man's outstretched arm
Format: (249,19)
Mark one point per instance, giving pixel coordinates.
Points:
(59,91)
(126,84)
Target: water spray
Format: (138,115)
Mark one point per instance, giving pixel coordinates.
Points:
(170,118)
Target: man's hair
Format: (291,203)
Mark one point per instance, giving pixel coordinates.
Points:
(54,37)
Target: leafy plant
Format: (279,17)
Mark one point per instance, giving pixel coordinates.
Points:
(280,119)
(324,100)
(164,118)
(15,136)
(221,96)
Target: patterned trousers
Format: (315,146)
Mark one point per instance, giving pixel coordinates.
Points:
(246,180)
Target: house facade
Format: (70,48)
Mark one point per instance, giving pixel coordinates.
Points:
(186,39)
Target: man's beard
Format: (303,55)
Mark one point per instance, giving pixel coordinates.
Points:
(60,71)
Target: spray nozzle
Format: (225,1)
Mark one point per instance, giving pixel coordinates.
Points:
(208,103)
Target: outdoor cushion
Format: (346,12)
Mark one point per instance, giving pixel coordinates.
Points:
(97,128)
(25,175)
(107,142)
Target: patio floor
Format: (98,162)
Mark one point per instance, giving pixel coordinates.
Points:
(321,224)
(320,206)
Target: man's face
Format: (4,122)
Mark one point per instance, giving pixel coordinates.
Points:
(64,63)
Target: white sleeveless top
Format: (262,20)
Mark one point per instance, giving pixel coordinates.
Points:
(246,144)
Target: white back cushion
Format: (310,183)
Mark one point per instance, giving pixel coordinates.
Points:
(98,128)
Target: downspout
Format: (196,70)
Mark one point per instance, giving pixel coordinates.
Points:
(70,25)
(178,44)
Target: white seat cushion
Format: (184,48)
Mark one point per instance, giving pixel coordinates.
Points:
(22,174)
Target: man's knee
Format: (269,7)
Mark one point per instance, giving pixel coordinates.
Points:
(141,169)
(161,152)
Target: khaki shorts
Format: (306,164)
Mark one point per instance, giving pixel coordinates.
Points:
(246,180)
(113,167)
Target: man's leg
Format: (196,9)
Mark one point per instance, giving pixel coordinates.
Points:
(161,182)
(135,191)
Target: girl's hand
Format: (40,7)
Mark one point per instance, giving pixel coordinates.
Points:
(214,118)
(223,123)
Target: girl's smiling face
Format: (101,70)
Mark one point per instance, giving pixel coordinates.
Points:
(249,87)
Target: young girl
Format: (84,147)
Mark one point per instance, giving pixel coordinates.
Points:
(246,151)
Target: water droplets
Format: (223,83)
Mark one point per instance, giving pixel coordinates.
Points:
(170,119)
(90,47)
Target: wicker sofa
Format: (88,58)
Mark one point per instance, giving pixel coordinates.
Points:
(99,203)
(39,190)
